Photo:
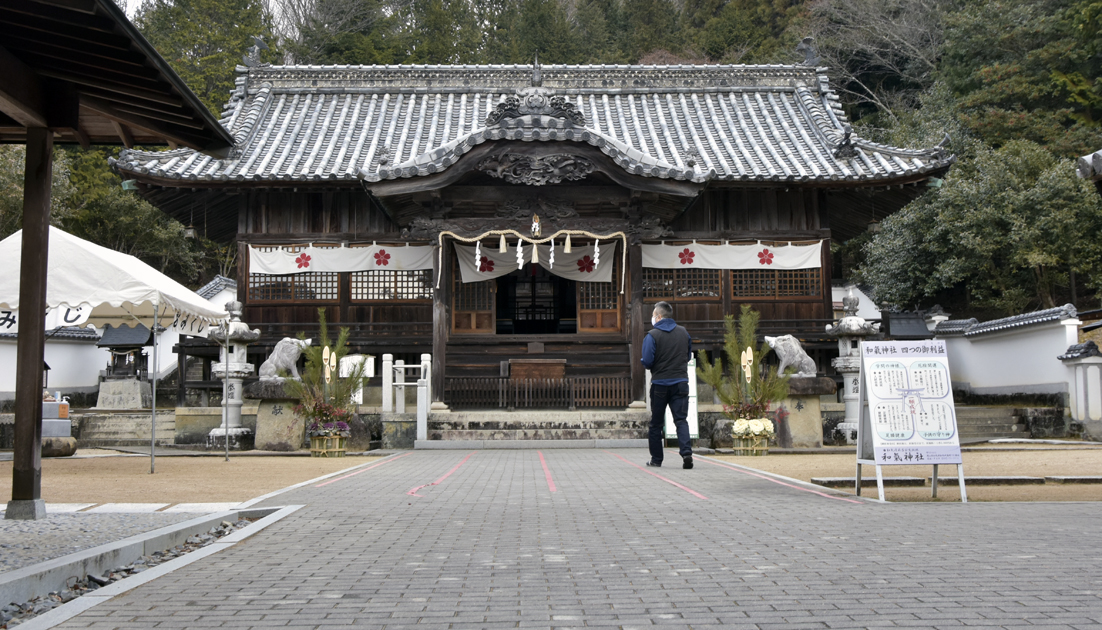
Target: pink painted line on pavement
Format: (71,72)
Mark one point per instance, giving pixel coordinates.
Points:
(363,470)
(413,492)
(669,481)
(547,473)
(778,481)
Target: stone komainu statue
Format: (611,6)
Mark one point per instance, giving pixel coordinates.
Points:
(791,353)
(284,358)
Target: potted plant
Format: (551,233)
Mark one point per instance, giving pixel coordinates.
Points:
(325,398)
(327,427)
(747,388)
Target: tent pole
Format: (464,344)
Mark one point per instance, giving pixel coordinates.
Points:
(225,390)
(153,426)
(26,491)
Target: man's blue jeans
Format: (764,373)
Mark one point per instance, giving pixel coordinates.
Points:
(677,397)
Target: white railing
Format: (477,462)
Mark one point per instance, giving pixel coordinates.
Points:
(395,384)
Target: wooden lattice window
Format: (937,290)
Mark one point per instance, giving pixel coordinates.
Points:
(599,304)
(311,286)
(472,306)
(688,284)
(772,284)
(391,285)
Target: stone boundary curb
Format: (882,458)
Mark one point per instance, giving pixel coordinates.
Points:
(439,445)
(134,548)
(26,583)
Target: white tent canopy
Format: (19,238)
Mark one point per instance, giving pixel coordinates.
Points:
(112,288)
(117,287)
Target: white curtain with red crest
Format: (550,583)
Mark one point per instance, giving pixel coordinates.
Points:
(580,264)
(756,256)
(340,259)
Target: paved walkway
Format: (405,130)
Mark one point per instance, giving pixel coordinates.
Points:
(493,544)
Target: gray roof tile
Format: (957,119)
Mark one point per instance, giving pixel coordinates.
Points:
(697,123)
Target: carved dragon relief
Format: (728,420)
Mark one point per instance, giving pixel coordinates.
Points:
(536,170)
(523,209)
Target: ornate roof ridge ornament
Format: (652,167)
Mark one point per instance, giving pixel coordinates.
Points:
(845,148)
(535,101)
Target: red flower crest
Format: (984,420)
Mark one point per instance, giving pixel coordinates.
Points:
(585,264)
(382,258)
(765,257)
(486,264)
(303,261)
(686,256)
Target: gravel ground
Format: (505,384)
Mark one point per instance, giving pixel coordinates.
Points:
(23,543)
(987,461)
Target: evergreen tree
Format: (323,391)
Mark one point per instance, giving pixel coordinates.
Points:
(543,28)
(651,25)
(203,40)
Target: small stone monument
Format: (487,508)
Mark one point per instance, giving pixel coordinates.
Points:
(233,340)
(850,330)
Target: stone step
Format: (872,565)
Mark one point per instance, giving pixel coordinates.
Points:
(532,424)
(994,421)
(984,412)
(539,434)
(125,429)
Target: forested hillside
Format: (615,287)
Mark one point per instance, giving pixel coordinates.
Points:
(1017,86)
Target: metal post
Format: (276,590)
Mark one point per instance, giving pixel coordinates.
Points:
(153,426)
(26,492)
(226,388)
(399,386)
(388,383)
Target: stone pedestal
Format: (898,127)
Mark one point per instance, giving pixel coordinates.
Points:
(399,430)
(26,510)
(240,437)
(804,422)
(129,393)
(277,426)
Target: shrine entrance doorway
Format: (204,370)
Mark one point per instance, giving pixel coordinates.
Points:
(533,301)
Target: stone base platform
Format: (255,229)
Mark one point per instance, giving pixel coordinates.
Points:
(526,444)
(539,426)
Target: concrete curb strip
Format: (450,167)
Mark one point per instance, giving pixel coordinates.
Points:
(797,482)
(527,444)
(69,610)
(265,497)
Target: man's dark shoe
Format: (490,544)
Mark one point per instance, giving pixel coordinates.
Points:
(654,463)
(688,462)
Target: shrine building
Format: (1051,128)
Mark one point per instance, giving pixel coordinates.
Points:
(519,222)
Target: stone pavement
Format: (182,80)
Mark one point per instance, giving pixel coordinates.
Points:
(491,546)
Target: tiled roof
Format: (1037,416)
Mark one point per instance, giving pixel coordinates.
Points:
(696,123)
(214,287)
(1083,350)
(1090,166)
(125,337)
(972,327)
(63,332)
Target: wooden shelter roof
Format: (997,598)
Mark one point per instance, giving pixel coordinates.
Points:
(82,69)
(741,124)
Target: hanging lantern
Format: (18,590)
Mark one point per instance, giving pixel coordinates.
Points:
(566,248)
(502,246)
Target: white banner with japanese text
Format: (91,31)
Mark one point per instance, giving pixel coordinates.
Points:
(281,261)
(911,416)
(733,256)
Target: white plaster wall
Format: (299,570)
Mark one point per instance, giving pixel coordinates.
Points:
(73,365)
(166,358)
(1015,361)
(865,307)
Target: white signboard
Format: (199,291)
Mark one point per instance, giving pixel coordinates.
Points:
(55,318)
(910,402)
(907,411)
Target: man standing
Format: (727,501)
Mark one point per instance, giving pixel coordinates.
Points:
(667,349)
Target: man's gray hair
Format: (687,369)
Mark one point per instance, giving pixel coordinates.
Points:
(663,310)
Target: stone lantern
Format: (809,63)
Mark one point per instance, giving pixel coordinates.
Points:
(850,330)
(233,340)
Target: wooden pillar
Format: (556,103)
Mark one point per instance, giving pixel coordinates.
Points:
(638,374)
(26,493)
(181,373)
(440,295)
